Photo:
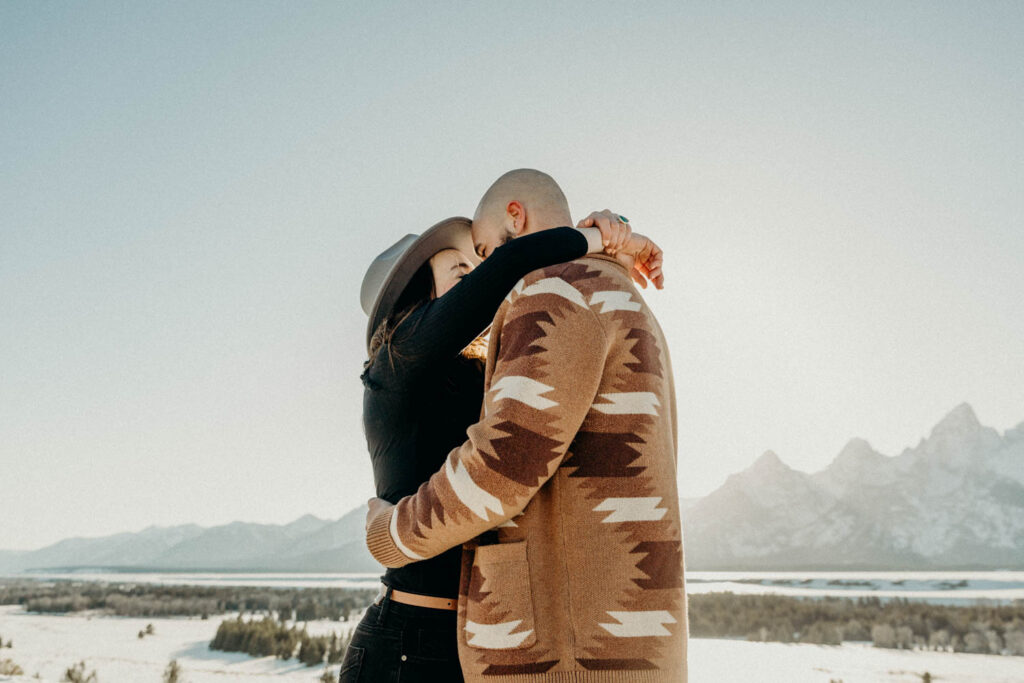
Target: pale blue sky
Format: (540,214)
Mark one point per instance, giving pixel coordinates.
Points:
(190,192)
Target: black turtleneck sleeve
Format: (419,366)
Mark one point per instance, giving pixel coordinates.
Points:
(446,325)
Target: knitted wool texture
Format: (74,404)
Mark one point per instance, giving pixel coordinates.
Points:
(564,494)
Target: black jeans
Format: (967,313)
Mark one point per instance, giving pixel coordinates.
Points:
(397,643)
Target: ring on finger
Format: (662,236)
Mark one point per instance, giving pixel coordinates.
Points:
(622,219)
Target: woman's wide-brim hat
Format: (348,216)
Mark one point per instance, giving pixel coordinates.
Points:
(392,270)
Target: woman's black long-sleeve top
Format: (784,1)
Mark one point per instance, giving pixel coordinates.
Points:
(420,398)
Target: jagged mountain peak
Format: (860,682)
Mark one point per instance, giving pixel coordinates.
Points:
(769,462)
(960,421)
(853,460)
(857,450)
(857,463)
(958,440)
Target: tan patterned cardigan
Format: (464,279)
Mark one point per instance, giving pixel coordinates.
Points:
(571,472)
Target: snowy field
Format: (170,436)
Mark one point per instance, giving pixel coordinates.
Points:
(49,644)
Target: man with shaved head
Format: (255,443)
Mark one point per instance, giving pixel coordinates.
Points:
(564,495)
(521,201)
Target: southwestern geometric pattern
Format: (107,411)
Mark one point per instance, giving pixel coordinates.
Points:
(571,471)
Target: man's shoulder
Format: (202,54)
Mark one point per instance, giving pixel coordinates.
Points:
(587,292)
(586,275)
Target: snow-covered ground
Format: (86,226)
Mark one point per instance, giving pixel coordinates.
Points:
(721,661)
(49,644)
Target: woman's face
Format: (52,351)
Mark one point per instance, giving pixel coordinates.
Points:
(449,266)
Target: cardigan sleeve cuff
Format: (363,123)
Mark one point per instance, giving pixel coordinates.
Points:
(380,543)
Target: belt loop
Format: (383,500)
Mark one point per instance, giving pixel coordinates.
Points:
(385,603)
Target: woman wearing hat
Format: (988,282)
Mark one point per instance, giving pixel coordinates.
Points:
(423,386)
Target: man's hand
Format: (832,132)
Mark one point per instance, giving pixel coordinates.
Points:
(615,230)
(375,508)
(644,259)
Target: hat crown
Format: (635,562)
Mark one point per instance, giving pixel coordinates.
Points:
(393,269)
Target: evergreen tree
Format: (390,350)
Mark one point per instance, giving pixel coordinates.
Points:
(904,637)
(339,645)
(9,668)
(306,611)
(883,635)
(1015,643)
(939,640)
(975,643)
(76,674)
(172,674)
(312,650)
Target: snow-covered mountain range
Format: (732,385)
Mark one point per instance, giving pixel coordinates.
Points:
(308,544)
(956,500)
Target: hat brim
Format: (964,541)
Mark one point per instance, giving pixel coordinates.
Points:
(451,233)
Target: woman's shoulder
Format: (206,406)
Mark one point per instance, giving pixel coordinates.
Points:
(379,373)
(394,373)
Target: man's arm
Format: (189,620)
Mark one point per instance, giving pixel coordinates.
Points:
(551,356)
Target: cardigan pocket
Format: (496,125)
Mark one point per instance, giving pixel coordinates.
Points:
(499,610)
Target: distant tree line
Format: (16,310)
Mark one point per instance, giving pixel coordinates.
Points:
(268,636)
(147,600)
(898,623)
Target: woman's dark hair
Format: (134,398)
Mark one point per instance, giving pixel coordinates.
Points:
(418,292)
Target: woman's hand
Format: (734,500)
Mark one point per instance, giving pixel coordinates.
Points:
(615,230)
(638,253)
(644,259)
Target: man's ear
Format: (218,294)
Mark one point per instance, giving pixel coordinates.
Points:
(517,212)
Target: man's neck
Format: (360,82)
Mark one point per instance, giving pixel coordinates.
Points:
(532,230)
(546,222)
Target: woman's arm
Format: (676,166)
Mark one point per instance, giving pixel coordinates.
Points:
(446,325)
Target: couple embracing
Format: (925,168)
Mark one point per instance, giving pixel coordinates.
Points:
(527,509)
